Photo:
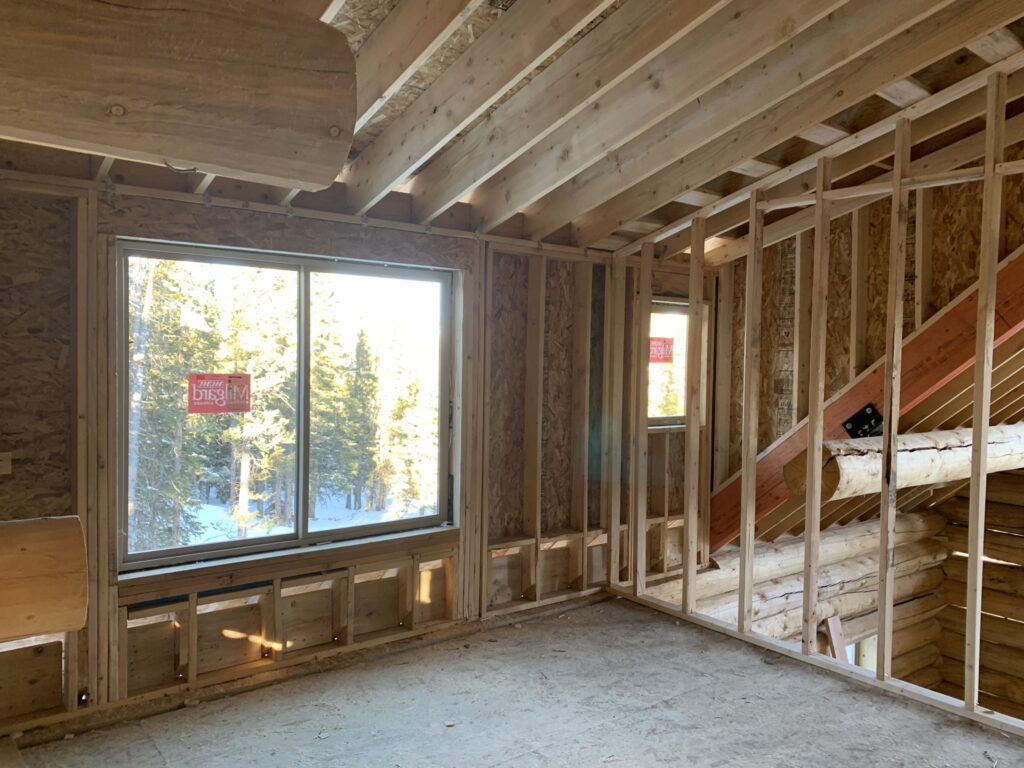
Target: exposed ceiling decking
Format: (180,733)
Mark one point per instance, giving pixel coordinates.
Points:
(606,123)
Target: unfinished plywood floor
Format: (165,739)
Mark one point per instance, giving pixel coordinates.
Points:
(608,684)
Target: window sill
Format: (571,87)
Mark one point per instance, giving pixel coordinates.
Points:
(169,581)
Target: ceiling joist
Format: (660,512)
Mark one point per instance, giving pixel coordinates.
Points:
(734,37)
(939,35)
(506,52)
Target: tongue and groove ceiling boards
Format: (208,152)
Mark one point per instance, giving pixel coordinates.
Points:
(607,123)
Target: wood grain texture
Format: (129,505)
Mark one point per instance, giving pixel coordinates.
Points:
(557,421)
(36,394)
(259,93)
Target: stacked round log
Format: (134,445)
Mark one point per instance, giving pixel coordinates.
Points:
(854,467)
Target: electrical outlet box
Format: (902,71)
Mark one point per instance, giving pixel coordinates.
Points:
(5,463)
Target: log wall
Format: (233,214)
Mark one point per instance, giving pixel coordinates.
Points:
(1002,601)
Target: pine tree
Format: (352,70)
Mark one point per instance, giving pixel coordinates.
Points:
(362,408)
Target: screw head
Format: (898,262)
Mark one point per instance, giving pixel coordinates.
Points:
(334,131)
(117,110)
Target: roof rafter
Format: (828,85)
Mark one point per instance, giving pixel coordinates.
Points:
(507,51)
(401,45)
(939,35)
(820,50)
(625,41)
(734,37)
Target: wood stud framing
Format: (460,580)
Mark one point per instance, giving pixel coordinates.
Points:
(891,394)
(816,404)
(988,262)
(641,347)
(693,409)
(751,400)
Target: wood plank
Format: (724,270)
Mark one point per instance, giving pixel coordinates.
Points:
(58,91)
(534,399)
(641,356)
(679,165)
(407,37)
(734,37)
(614,50)
(517,42)
(893,363)
(988,271)
(751,401)
(615,311)
(950,107)
(692,409)
(816,405)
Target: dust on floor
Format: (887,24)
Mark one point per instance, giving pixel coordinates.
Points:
(607,684)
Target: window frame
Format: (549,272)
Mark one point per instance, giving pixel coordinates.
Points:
(303,265)
(681,306)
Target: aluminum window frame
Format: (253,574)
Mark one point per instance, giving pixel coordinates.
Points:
(681,306)
(303,265)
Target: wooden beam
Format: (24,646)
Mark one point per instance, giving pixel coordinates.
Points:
(950,107)
(614,372)
(692,409)
(854,467)
(58,92)
(816,405)
(723,373)
(679,165)
(407,37)
(583,280)
(898,219)
(510,48)
(641,356)
(534,398)
(988,270)
(945,159)
(923,236)
(612,51)
(734,37)
(751,407)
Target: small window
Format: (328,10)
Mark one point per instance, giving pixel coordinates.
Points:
(666,383)
(271,401)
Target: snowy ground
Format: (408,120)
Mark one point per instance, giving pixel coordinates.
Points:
(331,514)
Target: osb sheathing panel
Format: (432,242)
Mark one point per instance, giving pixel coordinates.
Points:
(738,320)
(956,225)
(776,343)
(596,414)
(557,421)
(837,327)
(36,326)
(506,417)
(676,473)
(878,214)
(238,228)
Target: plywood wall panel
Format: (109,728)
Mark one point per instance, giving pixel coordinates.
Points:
(36,387)
(30,679)
(837,332)
(557,422)
(507,417)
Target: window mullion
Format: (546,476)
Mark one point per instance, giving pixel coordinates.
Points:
(302,417)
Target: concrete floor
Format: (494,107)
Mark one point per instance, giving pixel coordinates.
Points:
(608,684)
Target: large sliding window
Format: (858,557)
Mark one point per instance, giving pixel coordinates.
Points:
(273,400)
